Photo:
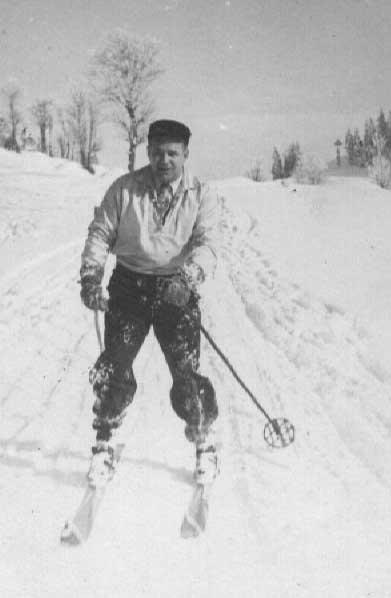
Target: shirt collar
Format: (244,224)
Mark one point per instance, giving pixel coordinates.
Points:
(175,184)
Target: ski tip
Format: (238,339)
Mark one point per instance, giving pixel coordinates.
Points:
(71,535)
(190,529)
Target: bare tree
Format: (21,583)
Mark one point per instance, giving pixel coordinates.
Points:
(42,112)
(83,120)
(64,136)
(12,95)
(121,74)
(93,144)
(77,122)
(50,127)
(256,172)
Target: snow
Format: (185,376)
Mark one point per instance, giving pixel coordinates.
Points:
(331,239)
(300,307)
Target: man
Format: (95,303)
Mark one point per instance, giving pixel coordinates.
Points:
(160,222)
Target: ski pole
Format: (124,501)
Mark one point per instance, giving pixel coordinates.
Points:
(278,432)
(98,330)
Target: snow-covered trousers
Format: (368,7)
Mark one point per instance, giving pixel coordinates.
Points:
(135,305)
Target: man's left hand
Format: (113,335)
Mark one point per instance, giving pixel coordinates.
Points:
(177,291)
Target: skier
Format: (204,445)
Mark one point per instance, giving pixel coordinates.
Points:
(161,224)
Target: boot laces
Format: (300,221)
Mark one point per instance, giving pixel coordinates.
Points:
(102,465)
(207,464)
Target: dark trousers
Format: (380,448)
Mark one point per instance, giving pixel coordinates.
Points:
(136,303)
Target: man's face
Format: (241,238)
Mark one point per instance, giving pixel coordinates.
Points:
(167,159)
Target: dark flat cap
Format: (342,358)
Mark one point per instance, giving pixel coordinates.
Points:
(169,129)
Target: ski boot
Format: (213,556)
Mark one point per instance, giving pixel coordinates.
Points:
(102,465)
(207,463)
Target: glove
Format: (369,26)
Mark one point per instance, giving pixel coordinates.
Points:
(194,274)
(177,291)
(92,294)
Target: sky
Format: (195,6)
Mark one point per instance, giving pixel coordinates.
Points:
(245,75)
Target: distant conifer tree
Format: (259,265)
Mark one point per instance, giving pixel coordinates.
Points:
(382,129)
(4,131)
(387,145)
(369,141)
(358,149)
(349,146)
(338,144)
(277,170)
(291,159)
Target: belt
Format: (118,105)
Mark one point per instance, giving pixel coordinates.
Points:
(126,280)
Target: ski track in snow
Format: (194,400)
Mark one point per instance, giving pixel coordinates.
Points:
(310,520)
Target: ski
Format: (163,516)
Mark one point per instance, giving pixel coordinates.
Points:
(196,516)
(77,530)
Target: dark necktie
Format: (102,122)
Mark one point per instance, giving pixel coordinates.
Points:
(163,200)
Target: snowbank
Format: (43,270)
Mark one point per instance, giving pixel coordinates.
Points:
(332,239)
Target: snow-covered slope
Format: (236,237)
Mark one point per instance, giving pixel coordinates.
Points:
(311,520)
(333,239)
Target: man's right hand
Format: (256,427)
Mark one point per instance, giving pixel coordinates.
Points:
(92,295)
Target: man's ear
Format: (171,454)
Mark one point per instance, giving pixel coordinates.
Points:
(186,152)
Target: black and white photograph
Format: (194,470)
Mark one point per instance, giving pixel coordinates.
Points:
(195,299)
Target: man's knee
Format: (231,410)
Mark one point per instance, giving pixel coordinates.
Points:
(113,386)
(194,400)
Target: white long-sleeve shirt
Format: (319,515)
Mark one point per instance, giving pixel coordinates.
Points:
(126,224)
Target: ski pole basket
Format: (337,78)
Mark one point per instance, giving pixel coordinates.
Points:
(279,432)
